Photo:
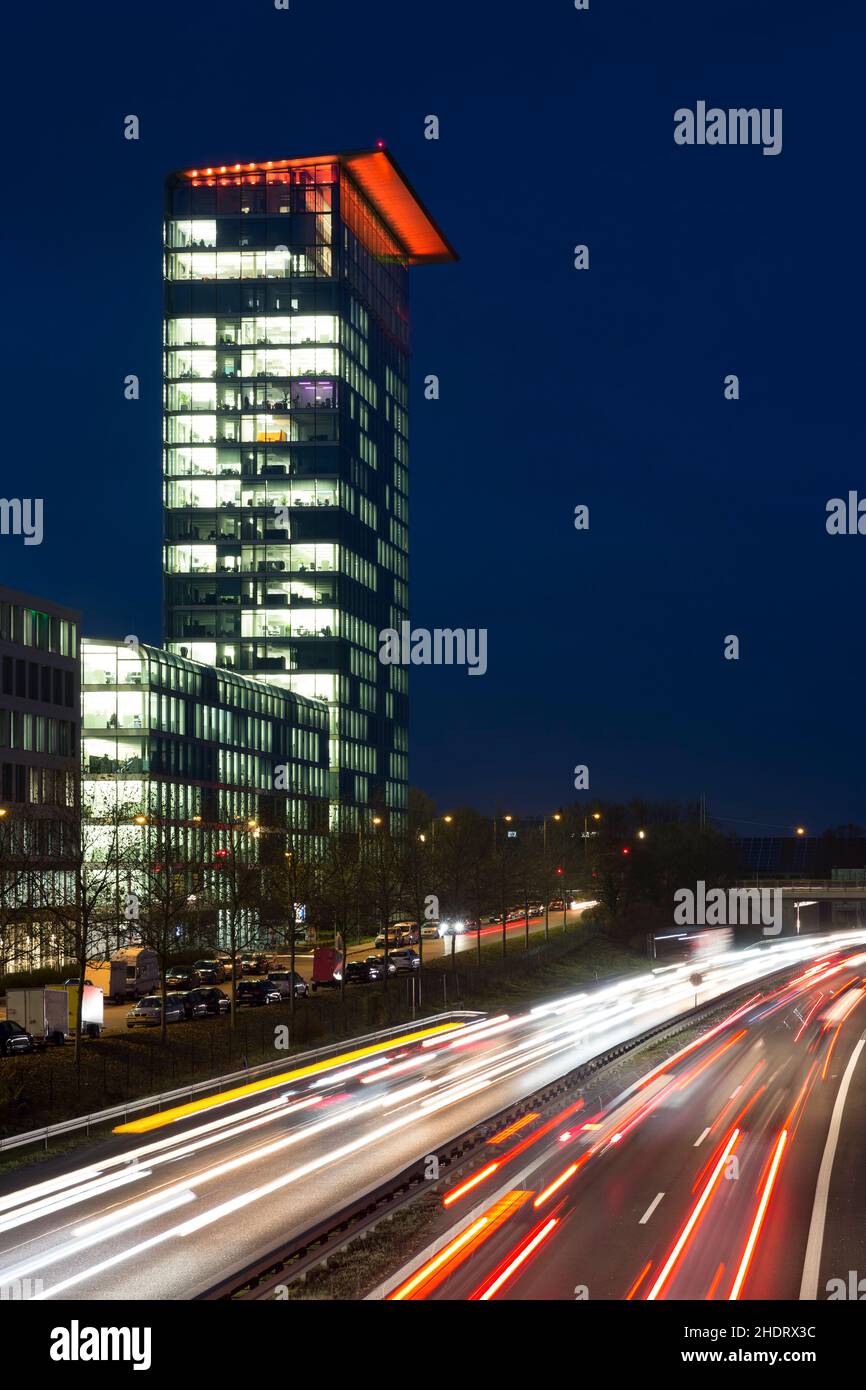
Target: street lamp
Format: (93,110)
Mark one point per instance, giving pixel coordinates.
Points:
(557,816)
(447,820)
(505,818)
(641,834)
(596,816)
(800,830)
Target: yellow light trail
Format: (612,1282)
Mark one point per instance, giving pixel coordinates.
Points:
(195,1107)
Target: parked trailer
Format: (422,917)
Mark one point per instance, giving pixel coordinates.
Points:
(92,1011)
(127,974)
(50,1013)
(42,1012)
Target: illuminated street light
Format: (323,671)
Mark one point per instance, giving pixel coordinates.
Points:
(801,830)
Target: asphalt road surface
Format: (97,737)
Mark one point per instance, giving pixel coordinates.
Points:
(184,1198)
(734,1171)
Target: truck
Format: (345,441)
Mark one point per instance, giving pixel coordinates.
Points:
(325,961)
(50,1013)
(42,1012)
(127,974)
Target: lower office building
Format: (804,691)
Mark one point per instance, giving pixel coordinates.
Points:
(39,748)
(220,767)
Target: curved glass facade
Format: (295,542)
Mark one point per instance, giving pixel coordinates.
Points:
(285,446)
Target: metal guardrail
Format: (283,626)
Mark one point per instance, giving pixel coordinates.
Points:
(124,1110)
(797,884)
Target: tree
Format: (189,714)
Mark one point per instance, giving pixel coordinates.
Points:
(291,877)
(97,855)
(166,889)
(237,889)
(342,891)
(19,863)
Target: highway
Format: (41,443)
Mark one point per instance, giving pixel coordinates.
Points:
(731,1171)
(181,1199)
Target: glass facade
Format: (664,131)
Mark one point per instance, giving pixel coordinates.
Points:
(285,443)
(189,744)
(39,707)
(171,748)
(39,785)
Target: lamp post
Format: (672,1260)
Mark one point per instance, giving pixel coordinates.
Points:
(557,816)
(596,816)
(509,819)
(447,820)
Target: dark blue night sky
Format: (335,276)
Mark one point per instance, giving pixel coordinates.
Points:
(558,387)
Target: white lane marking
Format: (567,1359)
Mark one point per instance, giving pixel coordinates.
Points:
(650,1209)
(701,1137)
(812,1262)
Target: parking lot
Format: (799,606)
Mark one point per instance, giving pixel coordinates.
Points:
(115,1015)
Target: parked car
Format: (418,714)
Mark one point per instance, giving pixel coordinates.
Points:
(536,909)
(254,964)
(213,1000)
(406,933)
(396,937)
(257,992)
(492,918)
(405,959)
(193,1007)
(182,977)
(377,966)
(14,1038)
(210,972)
(430,930)
(148,1011)
(288,982)
(357,972)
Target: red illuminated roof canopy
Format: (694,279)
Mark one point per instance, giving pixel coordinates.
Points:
(383,184)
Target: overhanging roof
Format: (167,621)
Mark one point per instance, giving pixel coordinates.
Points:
(382,182)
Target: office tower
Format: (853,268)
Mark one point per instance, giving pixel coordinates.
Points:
(286,455)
